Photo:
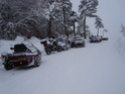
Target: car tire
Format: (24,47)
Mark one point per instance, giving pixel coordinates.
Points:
(37,61)
(83,45)
(59,49)
(48,51)
(65,48)
(7,66)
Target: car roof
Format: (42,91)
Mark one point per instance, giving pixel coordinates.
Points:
(30,46)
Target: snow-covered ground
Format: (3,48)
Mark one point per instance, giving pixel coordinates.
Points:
(95,69)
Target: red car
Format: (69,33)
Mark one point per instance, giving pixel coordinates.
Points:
(104,38)
(23,55)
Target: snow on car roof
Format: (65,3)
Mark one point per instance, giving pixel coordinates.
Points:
(37,43)
(30,46)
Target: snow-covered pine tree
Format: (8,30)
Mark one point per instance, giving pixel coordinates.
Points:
(66,10)
(34,17)
(73,19)
(87,8)
(20,17)
(98,24)
(58,14)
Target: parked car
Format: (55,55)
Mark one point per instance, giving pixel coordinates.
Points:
(104,38)
(63,43)
(94,39)
(101,38)
(24,54)
(78,42)
(51,45)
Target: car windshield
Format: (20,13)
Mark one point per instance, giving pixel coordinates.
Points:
(20,48)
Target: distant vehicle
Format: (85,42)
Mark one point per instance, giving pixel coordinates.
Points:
(23,55)
(104,38)
(78,42)
(63,43)
(94,39)
(50,45)
(101,38)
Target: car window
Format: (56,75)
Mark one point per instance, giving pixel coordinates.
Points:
(20,48)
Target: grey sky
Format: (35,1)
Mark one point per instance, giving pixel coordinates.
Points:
(112,13)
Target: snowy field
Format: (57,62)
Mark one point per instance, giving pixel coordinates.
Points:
(95,69)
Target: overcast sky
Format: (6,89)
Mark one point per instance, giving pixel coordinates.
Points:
(112,12)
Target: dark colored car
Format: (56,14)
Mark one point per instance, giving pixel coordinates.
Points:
(23,55)
(94,39)
(51,45)
(63,43)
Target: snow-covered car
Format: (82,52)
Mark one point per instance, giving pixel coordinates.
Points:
(63,43)
(94,39)
(23,55)
(50,45)
(78,42)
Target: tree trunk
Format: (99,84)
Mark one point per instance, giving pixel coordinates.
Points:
(74,27)
(98,32)
(64,17)
(49,33)
(84,28)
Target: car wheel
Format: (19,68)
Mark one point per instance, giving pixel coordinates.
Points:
(83,45)
(48,51)
(59,49)
(65,48)
(8,66)
(37,61)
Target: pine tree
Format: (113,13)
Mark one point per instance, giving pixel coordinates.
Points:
(66,6)
(19,17)
(87,8)
(40,18)
(98,24)
(58,16)
(73,19)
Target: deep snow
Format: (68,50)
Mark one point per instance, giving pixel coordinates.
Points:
(95,69)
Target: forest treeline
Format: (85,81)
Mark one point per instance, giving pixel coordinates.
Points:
(44,18)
